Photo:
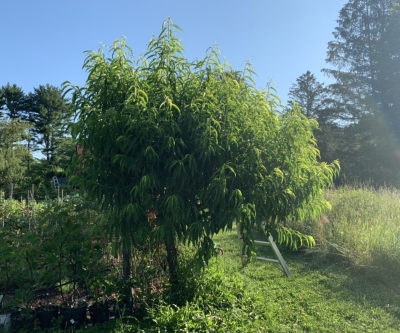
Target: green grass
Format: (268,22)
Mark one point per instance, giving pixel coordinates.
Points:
(348,283)
(322,296)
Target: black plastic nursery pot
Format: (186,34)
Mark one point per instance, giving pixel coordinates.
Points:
(123,309)
(45,316)
(99,313)
(73,317)
(22,321)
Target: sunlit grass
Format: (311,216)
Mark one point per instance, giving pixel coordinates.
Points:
(363,228)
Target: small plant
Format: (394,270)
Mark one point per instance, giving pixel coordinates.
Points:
(98,289)
(23,296)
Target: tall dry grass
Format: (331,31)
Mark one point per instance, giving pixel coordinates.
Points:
(363,228)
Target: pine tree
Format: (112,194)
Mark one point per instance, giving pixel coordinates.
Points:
(366,58)
(48,110)
(12,101)
(309,94)
(365,99)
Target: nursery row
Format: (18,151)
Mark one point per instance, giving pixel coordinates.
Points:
(64,318)
(55,259)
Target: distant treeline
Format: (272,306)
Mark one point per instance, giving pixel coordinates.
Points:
(35,144)
(359,114)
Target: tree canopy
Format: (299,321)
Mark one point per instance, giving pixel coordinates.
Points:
(13,155)
(50,114)
(365,53)
(194,142)
(12,101)
(34,121)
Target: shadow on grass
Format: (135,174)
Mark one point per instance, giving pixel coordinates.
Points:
(378,288)
(312,269)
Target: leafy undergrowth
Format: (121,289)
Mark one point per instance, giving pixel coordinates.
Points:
(320,297)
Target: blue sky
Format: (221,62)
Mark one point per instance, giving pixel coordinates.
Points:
(43,40)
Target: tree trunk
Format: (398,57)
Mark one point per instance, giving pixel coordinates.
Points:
(126,261)
(172,258)
(29,159)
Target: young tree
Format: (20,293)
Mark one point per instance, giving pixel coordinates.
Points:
(191,143)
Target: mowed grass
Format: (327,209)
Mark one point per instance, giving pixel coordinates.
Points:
(321,296)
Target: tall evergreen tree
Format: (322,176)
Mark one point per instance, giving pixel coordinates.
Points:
(316,103)
(12,101)
(49,111)
(309,94)
(365,59)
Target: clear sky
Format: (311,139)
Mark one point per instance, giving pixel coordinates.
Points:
(43,40)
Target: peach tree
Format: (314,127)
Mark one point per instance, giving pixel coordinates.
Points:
(194,142)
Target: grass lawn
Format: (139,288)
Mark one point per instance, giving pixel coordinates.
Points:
(322,296)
